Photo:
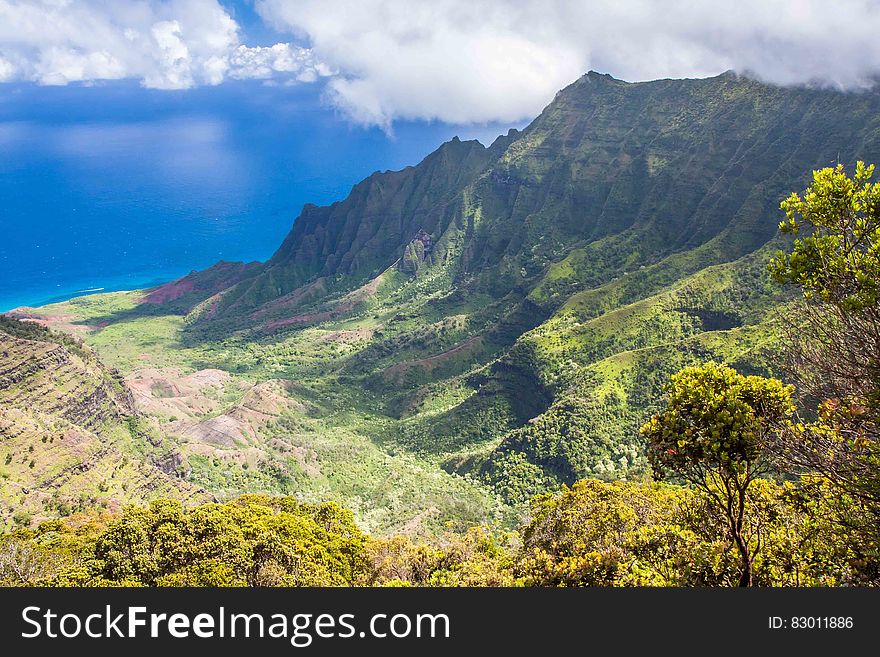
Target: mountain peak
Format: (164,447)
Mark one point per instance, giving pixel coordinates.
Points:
(596,75)
(607,158)
(457,142)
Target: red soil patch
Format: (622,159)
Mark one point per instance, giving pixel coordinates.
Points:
(398,372)
(170,291)
(207,283)
(345,305)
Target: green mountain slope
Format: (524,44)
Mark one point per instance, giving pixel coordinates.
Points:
(69,435)
(608,371)
(498,321)
(617,175)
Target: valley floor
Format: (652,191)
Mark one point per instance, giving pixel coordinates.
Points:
(243,422)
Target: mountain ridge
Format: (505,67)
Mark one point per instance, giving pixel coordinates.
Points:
(508,315)
(348,239)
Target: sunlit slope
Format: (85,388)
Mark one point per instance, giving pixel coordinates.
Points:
(71,439)
(491,321)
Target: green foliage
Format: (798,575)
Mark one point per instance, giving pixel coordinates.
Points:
(624,534)
(716,420)
(254,541)
(580,537)
(833,338)
(34,331)
(475,558)
(609,372)
(592,534)
(717,432)
(838,261)
(571,441)
(31,556)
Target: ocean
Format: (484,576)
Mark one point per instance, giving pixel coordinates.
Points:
(120,187)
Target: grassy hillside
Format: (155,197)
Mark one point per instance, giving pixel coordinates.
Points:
(251,416)
(71,438)
(493,322)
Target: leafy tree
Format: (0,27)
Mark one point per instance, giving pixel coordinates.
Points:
(252,541)
(582,536)
(476,558)
(398,561)
(804,545)
(21,560)
(627,534)
(834,341)
(716,433)
(31,556)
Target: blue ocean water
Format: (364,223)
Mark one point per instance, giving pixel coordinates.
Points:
(119,187)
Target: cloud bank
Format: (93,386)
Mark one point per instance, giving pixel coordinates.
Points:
(171,44)
(481,60)
(460,61)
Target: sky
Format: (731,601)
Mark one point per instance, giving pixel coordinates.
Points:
(141,139)
(457,61)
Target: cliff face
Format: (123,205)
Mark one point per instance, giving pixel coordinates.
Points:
(59,380)
(365,234)
(638,171)
(514,311)
(67,426)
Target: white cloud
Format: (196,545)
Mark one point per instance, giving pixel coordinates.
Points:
(167,44)
(7,70)
(173,55)
(265,62)
(483,60)
(460,61)
(60,65)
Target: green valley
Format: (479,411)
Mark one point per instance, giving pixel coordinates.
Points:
(451,340)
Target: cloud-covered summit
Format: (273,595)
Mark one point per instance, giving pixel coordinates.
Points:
(478,60)
(459,61)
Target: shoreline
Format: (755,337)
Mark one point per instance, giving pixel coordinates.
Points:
(108,289)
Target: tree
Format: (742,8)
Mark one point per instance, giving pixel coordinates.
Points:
(835,332)
(475,558)
(252,541)
(584,535)
(716,433)
(834,338)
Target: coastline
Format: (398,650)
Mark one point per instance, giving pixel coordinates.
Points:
(37,301)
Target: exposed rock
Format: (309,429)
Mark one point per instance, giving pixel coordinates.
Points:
(66,423)
(416,252)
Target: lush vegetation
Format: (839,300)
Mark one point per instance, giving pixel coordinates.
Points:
(768,500)
(494,338)
(592,534)
(716,433)
(254,541)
